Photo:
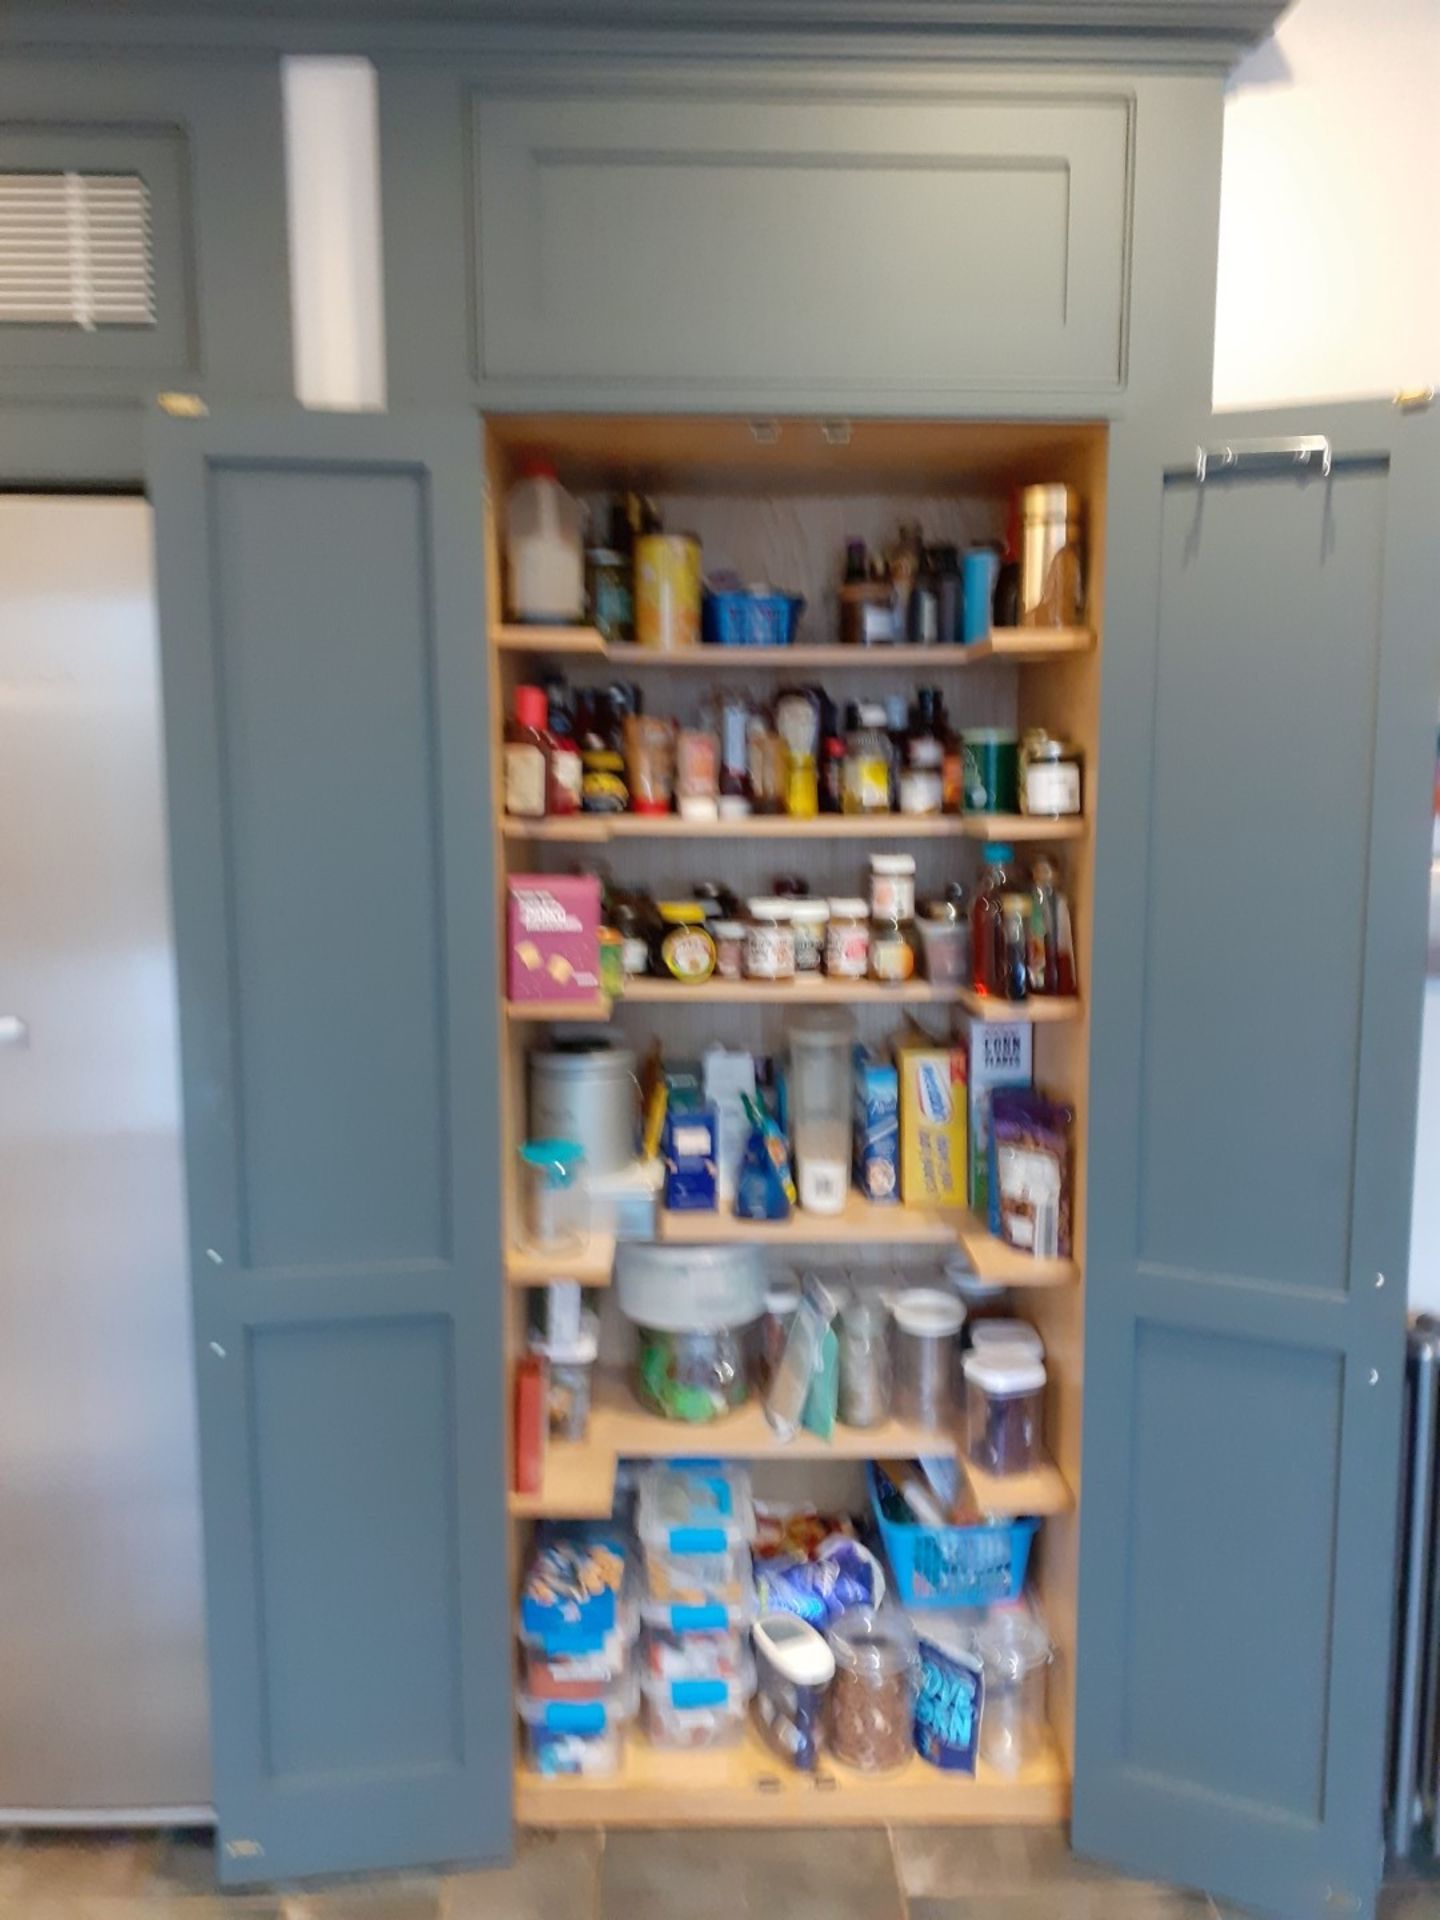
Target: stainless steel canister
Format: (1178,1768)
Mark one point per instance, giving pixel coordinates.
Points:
(1051,588)
(585,1090)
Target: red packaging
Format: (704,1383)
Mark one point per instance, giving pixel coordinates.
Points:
(553,923)
(530,1424)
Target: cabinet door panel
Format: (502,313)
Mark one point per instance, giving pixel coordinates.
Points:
(978,241)
(326,727)
(1269,698)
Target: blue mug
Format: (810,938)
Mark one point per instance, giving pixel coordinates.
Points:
(981,564)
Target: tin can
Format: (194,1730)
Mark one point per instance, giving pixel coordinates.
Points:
(991,770)
(667,591)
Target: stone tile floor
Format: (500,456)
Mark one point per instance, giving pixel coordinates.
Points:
(907,1873)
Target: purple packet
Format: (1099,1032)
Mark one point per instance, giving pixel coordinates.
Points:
(843,1575)
(1030,1174)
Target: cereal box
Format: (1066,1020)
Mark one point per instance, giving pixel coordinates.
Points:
(933,1125)
(1000,1056)
(554,936)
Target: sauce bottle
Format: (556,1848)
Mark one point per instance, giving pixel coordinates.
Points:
(527,755)
(987,922)
(565,771)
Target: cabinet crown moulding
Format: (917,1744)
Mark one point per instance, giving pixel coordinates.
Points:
(1218,31)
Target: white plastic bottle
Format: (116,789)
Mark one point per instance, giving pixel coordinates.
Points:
(546,548)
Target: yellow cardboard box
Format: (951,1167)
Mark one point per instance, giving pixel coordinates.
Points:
(934,1125)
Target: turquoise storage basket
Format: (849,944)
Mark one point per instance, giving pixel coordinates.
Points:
(953,1566)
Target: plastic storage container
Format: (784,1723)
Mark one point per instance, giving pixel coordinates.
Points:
(1015,1653)
(577,1736)
(986,1336)
(927,1325)
(794,1667)
(872,1700)
(545,548)
(745,618)
(697,1713)
(1004,1410)
(577,1664)
(945,947)
(571,1370)
(696,1523)
(696,1643)
(690,1305)
(821,1099)
(954,1566)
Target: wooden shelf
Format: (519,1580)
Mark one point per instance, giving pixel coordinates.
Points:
(580,1475)
(806,990)
(590,827)
(868,1222)
(597,1009)
(591,1264)
(746,1786)
(1040,1007)
(1018,645)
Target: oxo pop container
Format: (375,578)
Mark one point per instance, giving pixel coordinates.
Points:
(696,1523)
(696,1643)
(697,1713)
(1004,1409)
(577,1736)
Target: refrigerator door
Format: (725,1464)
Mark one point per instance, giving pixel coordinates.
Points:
(102,1659)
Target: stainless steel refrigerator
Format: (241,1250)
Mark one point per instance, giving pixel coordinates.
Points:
(102,1651)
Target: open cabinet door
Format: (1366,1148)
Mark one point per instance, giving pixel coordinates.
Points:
(1271,677)
(325,701)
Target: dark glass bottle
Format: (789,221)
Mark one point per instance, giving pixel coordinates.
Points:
(950,596)
(987,922)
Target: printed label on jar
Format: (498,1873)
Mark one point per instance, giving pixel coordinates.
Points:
(809,946)
(1052,787)
(892,896)
(847,950)
(525,781)
(921,790)
(769,951)
(891,958)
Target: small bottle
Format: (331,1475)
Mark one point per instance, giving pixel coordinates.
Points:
(924,616)
(952,762)
(987,922)
(565,772)
(1015,920)
(857,564)
(736,796)
(832,758)
(527,755)
(1007,576)
(897,725)
(950,595)
(867,762)
(922,778)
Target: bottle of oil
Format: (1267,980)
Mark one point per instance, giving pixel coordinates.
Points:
(987,922)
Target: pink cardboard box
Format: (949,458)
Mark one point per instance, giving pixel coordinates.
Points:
(554,936)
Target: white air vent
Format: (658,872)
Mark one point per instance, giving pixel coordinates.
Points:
(75,250)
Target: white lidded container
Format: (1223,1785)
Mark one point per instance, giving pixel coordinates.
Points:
(1016,1335)
(1004,1410)
(927,1327)
(545,547)
(821,1102)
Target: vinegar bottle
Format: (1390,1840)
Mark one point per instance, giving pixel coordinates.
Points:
(987,922)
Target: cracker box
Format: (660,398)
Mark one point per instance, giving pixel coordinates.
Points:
(875,1143)
(934,1125)
(553,922)
(1000,1054)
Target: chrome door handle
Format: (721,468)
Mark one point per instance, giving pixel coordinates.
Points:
(14,1032)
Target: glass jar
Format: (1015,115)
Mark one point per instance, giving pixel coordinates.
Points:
(927,1326)
(772,1330)
(808,920)
(892,886)
(872,1698)
(865,785)
(729,938)
(1049,775)
(683,949)
(630,918)
(769,941)
(945,940)
(893,950)
(865,1370)
(990,770)
(610,593)
(694,1376)
(847,939)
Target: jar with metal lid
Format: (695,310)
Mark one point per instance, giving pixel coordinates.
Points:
(1049,775)
(683,948)
(865,781)
(1051,584)
(729,938)
(610,585)
(847,939)
(865,1371)
(892,886)
(769,941)
(808,921)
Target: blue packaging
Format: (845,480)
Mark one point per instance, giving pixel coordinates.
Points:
(951,1694)
(691,1153)
(979,574)
(876,1145)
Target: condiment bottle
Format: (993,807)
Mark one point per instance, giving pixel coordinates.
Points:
(987,922)
(1015,917)
(832,758)
(527,755)
(1052,939)
(867,762)
(923,629)
(565,772)
(922,788)
(603,788)
(797,721)
(736,797)
(897,725)
(952,762)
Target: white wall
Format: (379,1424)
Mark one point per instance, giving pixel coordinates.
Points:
(1329,256)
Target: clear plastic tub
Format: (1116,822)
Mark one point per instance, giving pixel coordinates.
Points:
(577,1665)
(696,1643)
(946,947)
(872,1699)
(696,1524)
(697,1713)
(1015,1653)
(1004,1410)
(927,1328)
(1016,1335)
(577,1736)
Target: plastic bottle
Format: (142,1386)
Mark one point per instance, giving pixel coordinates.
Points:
(565,772)
(987,921)
(545,548)
(527,755)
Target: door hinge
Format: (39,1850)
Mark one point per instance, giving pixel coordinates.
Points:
(182,406)
(244,1849)
(1415,399)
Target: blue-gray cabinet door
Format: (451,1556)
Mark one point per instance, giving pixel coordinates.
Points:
(326,720)
(1268,735)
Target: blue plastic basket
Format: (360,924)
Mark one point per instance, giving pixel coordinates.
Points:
(741,619)
(954,1566)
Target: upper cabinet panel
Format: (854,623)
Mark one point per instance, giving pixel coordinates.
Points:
(976,241)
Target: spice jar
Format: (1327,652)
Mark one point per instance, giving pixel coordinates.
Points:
(729,938)
(1004,1409)
(847,940)
(630,924)
(1049,775)
(808,921)
(872,1700)
(865,784)
(894,944)
(769,941)
(865,1375)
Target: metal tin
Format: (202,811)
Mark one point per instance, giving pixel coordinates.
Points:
(667,591)
(1050,587)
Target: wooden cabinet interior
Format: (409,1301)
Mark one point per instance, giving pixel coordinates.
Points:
(776,499)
